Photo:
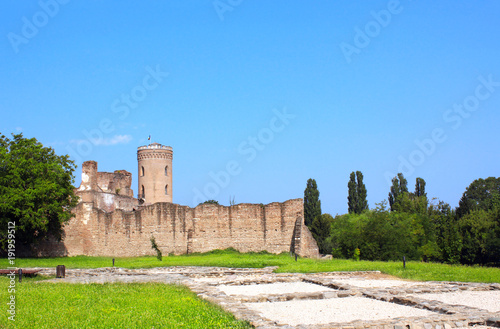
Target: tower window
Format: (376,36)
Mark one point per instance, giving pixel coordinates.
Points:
(166,189)
(142,171)
(166,170)
(143,195)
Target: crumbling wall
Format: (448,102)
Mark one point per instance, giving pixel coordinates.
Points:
(117,182)
(180,229)
(107,191)
(110,222)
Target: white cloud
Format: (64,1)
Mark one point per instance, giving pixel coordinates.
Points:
(118,139)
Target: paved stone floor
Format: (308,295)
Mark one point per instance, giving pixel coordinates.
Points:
(321,300)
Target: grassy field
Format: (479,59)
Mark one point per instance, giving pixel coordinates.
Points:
(60,305)
(117,305)
(285,263)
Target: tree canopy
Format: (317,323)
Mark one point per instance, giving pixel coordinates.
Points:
(36,190)
(481,194)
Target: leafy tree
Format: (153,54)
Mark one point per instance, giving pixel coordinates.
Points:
(378,234)
(312,204)
(36,190)
(398,188)
(403,201)
(448,237)
(320,229)
(419,198)
(420,187)
(480,194)
(356,199)
(481,237)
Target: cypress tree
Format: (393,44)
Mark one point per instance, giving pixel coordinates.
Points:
(352,195)
(312,204)
(362,203)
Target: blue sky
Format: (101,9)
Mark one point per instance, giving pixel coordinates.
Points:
(255,97)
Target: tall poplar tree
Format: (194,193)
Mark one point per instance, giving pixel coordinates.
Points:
(356,199)
(420,187)
(398,188)
(312,204)
(361,191)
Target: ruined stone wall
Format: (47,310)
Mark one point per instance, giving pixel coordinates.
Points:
(117,182)
(180,229)
(110,222)
(107,191)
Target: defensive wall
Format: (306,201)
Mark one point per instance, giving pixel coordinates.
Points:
(109,221)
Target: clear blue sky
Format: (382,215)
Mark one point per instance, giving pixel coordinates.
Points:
(267,93)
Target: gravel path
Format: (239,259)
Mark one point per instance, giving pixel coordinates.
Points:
(486,300)
(323,311)
(363,283)
(272,288)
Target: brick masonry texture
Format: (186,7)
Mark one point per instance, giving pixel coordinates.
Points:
(110,222)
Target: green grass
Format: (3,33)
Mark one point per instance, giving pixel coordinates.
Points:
(414,270)
(60,305)
(135,305)
(229,258)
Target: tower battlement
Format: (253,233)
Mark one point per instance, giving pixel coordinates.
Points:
(154,146)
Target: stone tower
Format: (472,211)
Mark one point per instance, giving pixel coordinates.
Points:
(155,173)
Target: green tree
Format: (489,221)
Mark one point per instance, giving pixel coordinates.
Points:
(481,237)
(419,198)
(36,190)
(480,194)
(320,229)
(356,199)
(312,204)
(398,188)
(352,196)
(420,187)
(361,191)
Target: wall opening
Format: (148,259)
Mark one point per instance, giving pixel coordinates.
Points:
(143,195)
(166,170)
(142,171)
(166,189)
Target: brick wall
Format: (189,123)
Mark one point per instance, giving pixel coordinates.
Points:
(180,229)
(110,222)
(117,182)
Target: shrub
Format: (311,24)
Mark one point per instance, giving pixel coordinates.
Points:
(154,246)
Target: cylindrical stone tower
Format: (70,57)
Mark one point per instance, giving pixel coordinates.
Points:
(155,173)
